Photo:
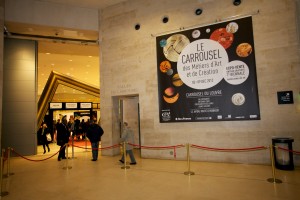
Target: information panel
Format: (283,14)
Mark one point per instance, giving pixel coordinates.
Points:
(208,73)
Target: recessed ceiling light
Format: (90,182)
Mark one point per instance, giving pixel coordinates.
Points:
(70,60)
(47,53)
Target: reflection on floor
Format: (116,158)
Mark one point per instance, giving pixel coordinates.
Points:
(81,179)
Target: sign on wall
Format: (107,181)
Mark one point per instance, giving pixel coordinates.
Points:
(208,73)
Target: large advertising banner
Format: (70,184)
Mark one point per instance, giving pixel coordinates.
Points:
(208,73)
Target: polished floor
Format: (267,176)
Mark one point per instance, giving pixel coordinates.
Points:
(81,179)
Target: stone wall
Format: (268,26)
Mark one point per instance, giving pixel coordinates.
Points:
(128,57)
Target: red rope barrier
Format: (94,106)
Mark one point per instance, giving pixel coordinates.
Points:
(101,148)
(159,147)
(231,150)
(295,152)
(32,159)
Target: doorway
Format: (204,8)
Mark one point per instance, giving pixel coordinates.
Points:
(129,112)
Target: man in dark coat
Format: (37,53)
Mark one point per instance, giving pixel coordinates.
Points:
(94,134)
(63,135)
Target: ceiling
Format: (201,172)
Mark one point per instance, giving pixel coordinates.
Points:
(74,53)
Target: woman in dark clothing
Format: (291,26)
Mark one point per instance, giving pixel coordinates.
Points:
(63,135)
(42,136)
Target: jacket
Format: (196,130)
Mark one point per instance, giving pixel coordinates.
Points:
(94,133)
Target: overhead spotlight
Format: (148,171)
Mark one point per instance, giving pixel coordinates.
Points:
(137,26)
(237,2)
(198,11)
(165,19)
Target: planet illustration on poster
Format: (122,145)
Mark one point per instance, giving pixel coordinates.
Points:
(176,80)
(196,34)
(238,99)
(169,91)
(170,95)
(164,66)
(171,99)
(223,37)
(232,27)
(162,43)
(169,72)
(244,50)
(175,44)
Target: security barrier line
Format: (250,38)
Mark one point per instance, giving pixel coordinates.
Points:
(32,159)
(230,150)
(159,147)
(284,149)
(101,148)
(174,147)
(272,180)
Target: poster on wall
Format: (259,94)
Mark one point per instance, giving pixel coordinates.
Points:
(208,73)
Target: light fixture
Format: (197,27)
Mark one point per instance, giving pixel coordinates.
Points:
(165,19)
(137,26)
(237,2)
(198,11)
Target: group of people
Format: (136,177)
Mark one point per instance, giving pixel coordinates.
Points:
(93,133)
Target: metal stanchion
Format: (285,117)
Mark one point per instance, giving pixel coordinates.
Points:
(125,166)
(189,172)
(8,163)
(73,157)
(273,179)
(2,193)
(85,141)
(67,158)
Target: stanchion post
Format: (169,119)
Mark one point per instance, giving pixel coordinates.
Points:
(189,172)
(67,157)
(73,157)
(125,166)
(2,193)
(85,142)
(8,164)
(273,179)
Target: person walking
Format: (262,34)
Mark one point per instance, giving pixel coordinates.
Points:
(42,134)
(128,137)
(63,135)
(94,133)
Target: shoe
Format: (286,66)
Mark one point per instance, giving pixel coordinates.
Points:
(133,163)
(94,159)
(121,161)
(44,151)
(64,158)
(59,159)
(49,150)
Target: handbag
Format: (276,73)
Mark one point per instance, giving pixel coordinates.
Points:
(48,136)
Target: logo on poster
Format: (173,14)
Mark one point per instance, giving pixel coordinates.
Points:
(166,115)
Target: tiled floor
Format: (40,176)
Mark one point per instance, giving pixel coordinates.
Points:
(150,179)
